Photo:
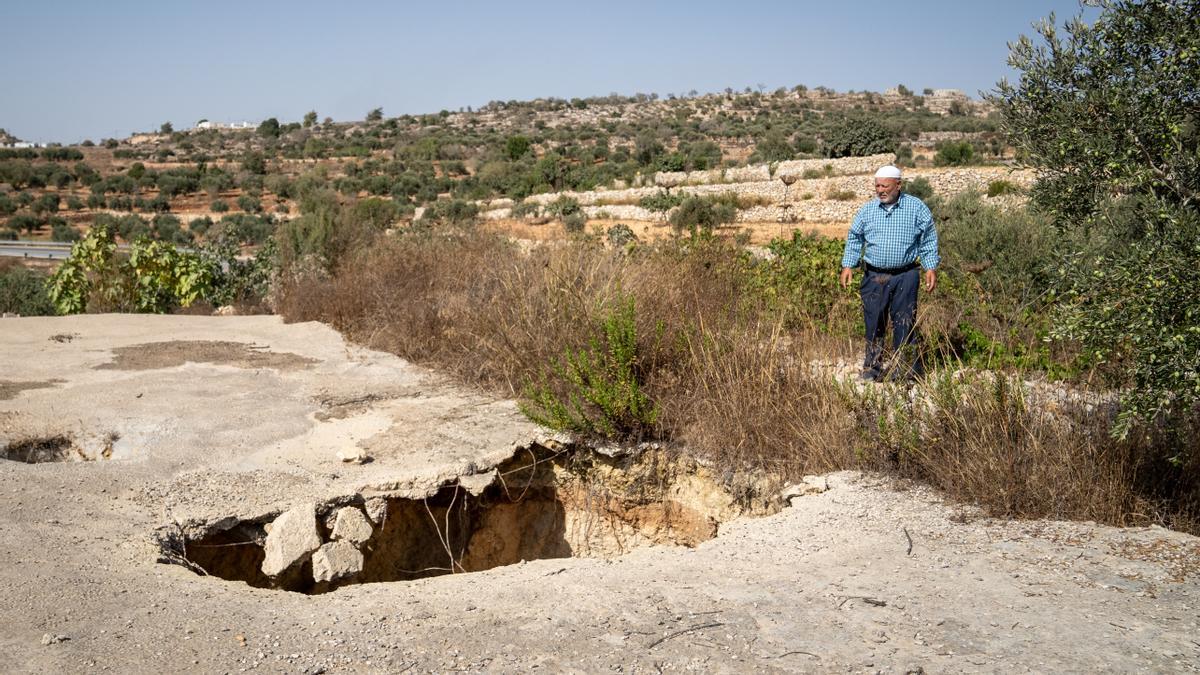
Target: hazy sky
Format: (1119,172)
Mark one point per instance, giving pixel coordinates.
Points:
(78,70)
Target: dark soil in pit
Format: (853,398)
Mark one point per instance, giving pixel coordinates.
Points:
(41,450)
(539,504)
(154,355)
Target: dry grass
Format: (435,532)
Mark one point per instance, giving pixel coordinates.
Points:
(731,384)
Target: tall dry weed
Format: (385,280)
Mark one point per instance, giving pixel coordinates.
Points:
(732,380)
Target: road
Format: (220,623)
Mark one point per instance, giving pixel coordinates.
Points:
(50,250)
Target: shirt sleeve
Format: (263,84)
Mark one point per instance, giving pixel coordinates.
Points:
(928,249)
(854,242)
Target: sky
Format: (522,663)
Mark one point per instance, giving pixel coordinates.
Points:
(89,70)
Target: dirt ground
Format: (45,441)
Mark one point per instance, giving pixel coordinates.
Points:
(190,419)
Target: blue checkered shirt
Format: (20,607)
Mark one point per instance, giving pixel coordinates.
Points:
(894,237)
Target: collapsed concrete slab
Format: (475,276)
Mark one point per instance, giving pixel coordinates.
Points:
(351,525)
(336,560)
(291,539)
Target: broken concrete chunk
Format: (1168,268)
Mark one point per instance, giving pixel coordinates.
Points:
(336,560)
(291,539)
(352,526)
(353,455)
(809,485)
(376,508)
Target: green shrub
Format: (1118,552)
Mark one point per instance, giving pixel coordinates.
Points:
(703,214)
(597,390)
(23,291)
(575,222)
(562,207)
(219,206)
(1002,187)
(840,195)
(153,277)
(451,212)
(798,283)
(858,137)
(620,235)
(954,153)
(249,204)
(60,230)
(920,188)
(525,209)
(661,201)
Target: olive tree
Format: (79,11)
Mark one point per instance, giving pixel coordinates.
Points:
(1107,116)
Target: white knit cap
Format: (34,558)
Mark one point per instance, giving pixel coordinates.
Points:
(888,171)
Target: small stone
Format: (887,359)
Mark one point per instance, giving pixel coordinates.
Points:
(292,538)
(336,560)
(809,485)
(352,455)
(351,525)
(48,639)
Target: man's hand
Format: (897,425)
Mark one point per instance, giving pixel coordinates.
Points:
(846,277)
(930,280)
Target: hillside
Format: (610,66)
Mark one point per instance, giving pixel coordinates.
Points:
(176,185)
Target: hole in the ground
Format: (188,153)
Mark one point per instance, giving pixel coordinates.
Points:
(41,449)
(542,503)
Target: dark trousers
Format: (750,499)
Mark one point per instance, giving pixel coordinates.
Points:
(894,297)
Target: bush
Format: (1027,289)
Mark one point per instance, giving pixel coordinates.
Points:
(516,147)
(661,201)
(1002,187)
(774,147)
(954,153)
(153,277)
(219,206)
(23,291)
(840,195)
(575,223)
(525,209)
(857,137)
(596,391)
(24,221)
(451,212)
(620,234)
(562,207)
(703,214)
(919,188)
(60,230)
(249,204)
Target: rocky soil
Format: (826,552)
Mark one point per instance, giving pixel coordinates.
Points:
(173,423)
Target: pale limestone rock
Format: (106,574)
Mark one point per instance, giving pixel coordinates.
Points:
(352,455)
(291,539)
(809,485)
(352,526)
(336,560)
(376,508)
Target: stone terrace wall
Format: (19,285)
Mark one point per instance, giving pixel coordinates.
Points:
(808,200)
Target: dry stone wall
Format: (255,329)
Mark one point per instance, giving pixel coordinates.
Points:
(806,200)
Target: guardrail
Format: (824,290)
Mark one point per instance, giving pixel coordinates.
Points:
(49,250)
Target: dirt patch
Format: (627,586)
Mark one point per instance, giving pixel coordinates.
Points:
(542,503)
(40,450)
(9,389)
(58,447)
(155,355)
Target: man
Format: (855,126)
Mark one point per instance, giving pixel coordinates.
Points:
(892,236)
